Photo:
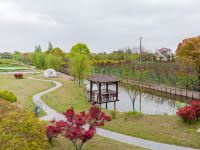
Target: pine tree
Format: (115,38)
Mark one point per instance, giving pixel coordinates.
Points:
(38,49)
(50,48)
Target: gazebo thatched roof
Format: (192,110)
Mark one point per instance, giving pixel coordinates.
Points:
(103,78)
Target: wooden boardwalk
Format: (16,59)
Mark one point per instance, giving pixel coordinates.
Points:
(166,89)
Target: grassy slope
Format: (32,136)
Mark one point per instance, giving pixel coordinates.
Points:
(166,129)
(97,143)
(69,95)
(24,89)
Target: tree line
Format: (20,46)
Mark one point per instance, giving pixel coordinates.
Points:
(183,70)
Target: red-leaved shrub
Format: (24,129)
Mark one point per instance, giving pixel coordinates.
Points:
(190,113)
(78,128)
(196,106)
(18,75)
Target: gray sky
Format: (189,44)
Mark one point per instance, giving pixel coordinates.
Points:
(104,25)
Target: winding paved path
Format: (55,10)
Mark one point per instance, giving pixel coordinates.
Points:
(52,114)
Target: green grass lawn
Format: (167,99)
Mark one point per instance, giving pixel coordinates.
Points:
(7,65)
(68,95)
(24,89)
(166,129)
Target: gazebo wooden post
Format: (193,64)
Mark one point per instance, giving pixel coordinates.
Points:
(116,95)
(91,84)
(107,98)
(116,90)
(100,93)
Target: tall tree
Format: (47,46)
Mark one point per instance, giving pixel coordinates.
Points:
(17,55)
(57,52)
(52,61)
(188,51)
(80,48)
(40,60)
(38,49)
(50,48)
(80,67)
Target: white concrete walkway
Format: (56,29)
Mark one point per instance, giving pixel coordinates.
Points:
(52,114)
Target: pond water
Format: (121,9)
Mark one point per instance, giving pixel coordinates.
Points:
(144,102)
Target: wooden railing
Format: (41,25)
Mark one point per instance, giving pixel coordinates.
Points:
(164,88)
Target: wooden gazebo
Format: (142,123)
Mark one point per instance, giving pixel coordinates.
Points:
(105,95)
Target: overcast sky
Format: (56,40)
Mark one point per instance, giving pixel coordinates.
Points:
(104,25)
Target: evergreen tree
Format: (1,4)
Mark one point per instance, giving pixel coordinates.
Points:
(38,49)
(50,48)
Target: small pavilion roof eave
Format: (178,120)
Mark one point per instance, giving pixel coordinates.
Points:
(103,79)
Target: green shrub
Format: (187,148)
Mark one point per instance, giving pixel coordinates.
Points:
(8,96)
(130,114)
(113,114)
(20,129)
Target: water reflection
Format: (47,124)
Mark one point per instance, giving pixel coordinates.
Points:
(138,100)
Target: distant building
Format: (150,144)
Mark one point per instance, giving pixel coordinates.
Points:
(164,54)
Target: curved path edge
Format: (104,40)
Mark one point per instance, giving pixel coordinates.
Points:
(53,114)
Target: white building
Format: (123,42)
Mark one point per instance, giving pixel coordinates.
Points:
(164,54)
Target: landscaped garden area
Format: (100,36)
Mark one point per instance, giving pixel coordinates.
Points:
(25,88)
(55,111)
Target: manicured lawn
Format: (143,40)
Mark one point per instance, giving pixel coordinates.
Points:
(68,95)
(97,143)
(166,129)
(24,89)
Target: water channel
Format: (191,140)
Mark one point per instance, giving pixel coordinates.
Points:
(145,102)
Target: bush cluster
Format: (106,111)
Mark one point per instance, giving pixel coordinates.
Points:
(20,129)
(18,75)
(130,114)
(113,114)
(190,113)
(8,96)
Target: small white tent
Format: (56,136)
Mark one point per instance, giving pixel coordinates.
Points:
(50,73)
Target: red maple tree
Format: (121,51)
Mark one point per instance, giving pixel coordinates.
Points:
(78,128)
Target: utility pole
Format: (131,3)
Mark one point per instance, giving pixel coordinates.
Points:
(140,49)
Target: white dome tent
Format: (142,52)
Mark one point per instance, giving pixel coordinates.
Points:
(50,73)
